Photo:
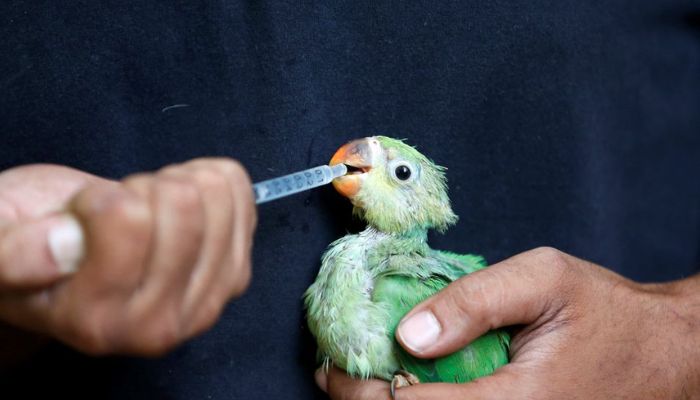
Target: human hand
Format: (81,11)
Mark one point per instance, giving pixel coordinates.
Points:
(587,333)
(135,266)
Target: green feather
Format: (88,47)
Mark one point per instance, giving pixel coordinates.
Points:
(399,293)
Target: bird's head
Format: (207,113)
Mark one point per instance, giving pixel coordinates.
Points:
(393,187)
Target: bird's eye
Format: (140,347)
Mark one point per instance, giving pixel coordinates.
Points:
(402,172)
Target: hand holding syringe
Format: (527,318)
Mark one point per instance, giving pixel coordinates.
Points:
(273,189)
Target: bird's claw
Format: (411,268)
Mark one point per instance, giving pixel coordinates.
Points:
(402,379)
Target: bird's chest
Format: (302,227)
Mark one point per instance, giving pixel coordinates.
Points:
(374,260)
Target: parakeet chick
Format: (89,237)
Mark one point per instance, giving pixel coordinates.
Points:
(369,281)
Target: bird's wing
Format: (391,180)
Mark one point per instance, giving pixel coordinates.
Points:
(400,292)
(458,265)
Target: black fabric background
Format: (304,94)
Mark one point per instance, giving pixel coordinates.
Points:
(574,124)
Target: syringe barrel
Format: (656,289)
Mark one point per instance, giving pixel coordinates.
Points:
(286,185)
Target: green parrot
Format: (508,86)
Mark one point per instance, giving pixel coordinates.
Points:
(369,281)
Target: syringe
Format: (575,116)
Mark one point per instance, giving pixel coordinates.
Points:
(273,189)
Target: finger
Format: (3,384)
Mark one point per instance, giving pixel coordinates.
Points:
(177,236)
(505,383)
(204,297)
(237,272)
(231,276)
(88,311)
(321,378)
(339,385)
(520,290)
(39,252)
(37,190)
(85,309)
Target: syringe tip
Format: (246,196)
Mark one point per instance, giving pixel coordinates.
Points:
(339,170)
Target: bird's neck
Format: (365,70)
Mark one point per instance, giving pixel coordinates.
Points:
(414,241)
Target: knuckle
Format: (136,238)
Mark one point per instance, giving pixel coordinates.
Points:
(138,183)
(556,264)
(550,257)
(172,170)
(210,178)
(123,209)
(495,298)
(91,335)
(183,193)
(163,335)
(88,201)
(114,203)
(475,297)
(558,276)
(238,177)
(233,176)
(231,167)
(101,199)
(239,174)
(466,296)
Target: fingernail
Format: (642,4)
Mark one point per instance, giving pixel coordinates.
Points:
(321,379)
(66,244)
(420,331)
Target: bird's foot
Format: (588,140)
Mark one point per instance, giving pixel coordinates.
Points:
(402,379)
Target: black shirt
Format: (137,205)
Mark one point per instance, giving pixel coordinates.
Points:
(564,123)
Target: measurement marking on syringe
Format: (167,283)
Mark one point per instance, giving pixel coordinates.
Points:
(276,188)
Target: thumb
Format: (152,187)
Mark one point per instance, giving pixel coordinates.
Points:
(38,252)
(519,290)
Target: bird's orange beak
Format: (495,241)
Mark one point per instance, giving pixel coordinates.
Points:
(358,156)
